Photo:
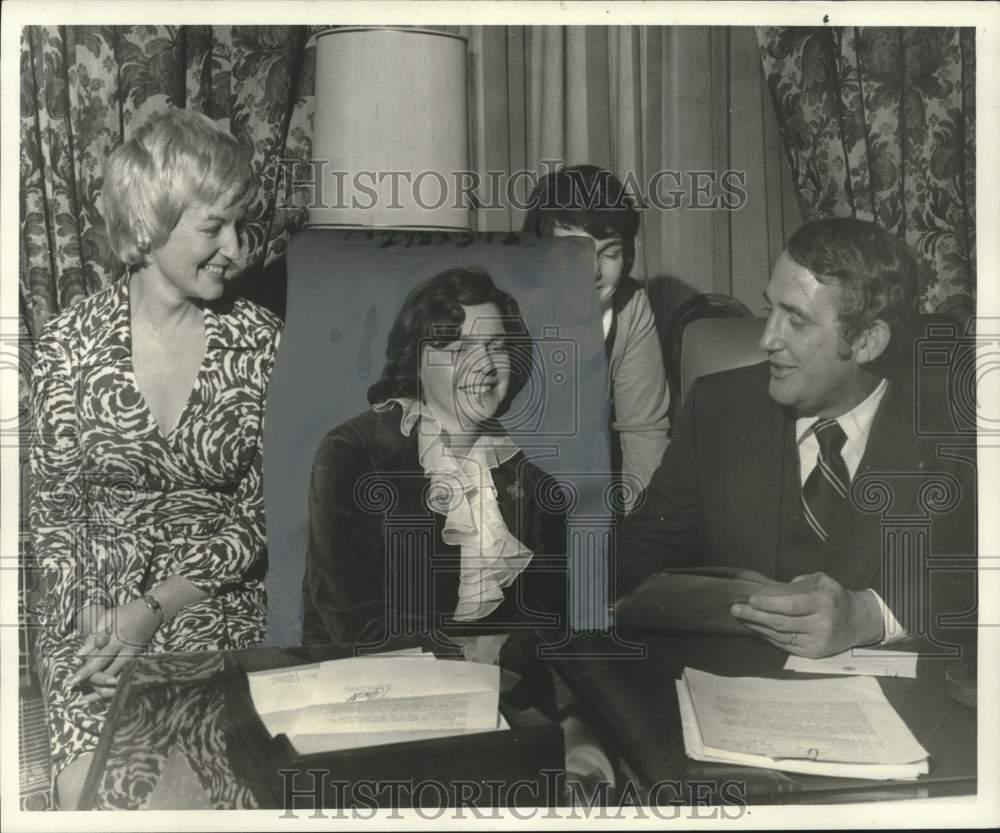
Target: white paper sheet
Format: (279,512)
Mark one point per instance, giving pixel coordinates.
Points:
(364,695)
(309,744)
(859,661)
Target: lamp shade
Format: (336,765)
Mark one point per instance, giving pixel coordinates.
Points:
(390,130)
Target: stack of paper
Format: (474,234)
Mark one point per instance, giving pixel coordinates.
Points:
(375,700)
(839,726)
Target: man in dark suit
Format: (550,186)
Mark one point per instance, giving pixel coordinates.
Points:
(810,464)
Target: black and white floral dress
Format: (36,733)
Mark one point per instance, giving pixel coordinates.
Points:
(116,506)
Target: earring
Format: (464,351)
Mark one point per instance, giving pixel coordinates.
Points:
(143,241)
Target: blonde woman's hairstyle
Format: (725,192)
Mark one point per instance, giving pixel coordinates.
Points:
(175,159)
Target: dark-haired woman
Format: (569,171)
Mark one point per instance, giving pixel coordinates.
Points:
(424,515)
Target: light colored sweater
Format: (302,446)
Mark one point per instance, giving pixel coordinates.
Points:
(639,388)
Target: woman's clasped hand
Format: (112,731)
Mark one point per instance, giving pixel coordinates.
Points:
(117,635)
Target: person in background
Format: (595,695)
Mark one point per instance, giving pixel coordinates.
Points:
(146,505)
(586,201)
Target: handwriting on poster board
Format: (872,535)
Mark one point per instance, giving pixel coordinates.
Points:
(392,238)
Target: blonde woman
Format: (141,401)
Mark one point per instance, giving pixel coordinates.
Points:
(146,495)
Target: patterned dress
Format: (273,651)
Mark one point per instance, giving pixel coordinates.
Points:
(116,506)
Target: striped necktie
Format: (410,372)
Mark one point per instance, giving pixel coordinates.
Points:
(827,485)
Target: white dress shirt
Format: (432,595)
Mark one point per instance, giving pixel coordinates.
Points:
(857,425)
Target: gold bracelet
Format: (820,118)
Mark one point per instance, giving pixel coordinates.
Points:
(154,606)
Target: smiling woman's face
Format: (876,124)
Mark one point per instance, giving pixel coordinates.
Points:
(200,254)
(466,381)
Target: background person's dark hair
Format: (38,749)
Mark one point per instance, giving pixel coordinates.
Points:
(587,197)
(876,273)
(432,315)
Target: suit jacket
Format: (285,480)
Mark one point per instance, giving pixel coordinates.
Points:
(727,491)
(376,560)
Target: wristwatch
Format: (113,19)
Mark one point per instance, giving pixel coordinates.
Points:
(154,606)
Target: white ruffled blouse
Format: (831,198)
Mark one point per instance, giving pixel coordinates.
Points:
(462,490)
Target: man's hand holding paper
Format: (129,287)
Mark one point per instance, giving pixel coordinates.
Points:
(811,616)
(698,599)
(816,618)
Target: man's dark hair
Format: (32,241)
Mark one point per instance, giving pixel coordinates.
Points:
(586,197)
(875,272)
(432,315)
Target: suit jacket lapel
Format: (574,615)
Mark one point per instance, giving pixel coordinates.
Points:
(439,566)
(790,498)
(507,480)
(891,451)
(765,489)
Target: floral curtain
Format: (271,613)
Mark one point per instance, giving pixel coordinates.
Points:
(879,123)
(84,88)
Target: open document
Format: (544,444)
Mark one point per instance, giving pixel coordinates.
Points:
(838,726)
(375,700)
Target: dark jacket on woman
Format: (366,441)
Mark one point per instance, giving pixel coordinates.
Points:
(377,569)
